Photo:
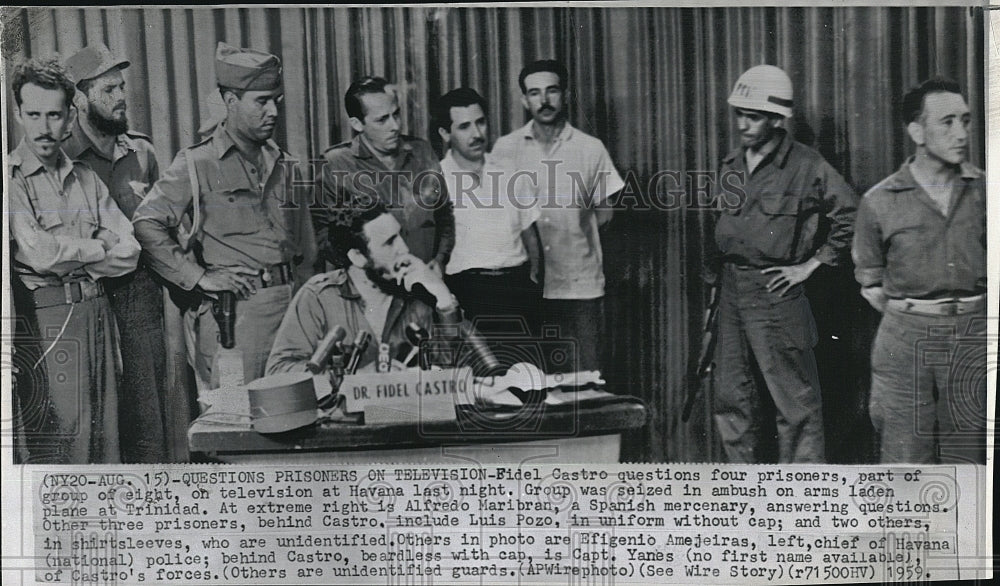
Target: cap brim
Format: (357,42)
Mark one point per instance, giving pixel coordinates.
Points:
(119,64)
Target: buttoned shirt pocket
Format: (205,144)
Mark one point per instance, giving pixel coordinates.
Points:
(234,211)
(776,235)
(780,203)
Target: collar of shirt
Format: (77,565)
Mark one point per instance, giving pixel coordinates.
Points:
(779,154)
(528,131)
(80,142)
(903,180)
(359,149)
(30,164)
(224,143)
(449,165)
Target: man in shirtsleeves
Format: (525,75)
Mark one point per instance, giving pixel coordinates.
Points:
(126,163)
(920,257)
(242,239)
(68,235)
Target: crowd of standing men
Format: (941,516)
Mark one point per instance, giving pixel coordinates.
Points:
(512,231)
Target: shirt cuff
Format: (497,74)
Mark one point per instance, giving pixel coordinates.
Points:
(92,251)
(827,256)
(189,275)
(451,315)
(869,277)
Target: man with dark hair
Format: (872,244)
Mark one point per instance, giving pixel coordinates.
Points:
(401,170)
(125,161)
(370,289)
(572,179)
(494,267)
(920,257)
(69,234)
(216,224)
(796,216)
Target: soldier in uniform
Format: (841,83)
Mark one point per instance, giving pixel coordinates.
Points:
(797,215)
(240,239)
(402,170)
(69,234)
(125,162)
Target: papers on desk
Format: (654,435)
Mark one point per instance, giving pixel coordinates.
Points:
(527,378)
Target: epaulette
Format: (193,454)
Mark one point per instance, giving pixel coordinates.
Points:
(334,278)
(203,141)
(136,134)
(344,144)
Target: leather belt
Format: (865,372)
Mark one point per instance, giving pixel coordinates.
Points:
(941,307)
(272,276)
(67,293)
(496,272)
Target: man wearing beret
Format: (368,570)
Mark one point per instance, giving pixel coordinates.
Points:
(402,170)
(125,162)
(215,222)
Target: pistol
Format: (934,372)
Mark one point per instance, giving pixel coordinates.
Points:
(224,312)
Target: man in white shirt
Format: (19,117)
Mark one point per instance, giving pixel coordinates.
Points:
(573,178)
(494,268)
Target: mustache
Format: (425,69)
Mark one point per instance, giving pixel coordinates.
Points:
(549,108)
(46,137)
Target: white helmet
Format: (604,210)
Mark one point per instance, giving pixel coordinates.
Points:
(765,88)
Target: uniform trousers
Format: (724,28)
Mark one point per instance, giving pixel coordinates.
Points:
(257,321)
(81,366)
(766,337)
(137,302)
(928,392)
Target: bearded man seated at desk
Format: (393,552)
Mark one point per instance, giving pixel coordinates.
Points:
(378,287)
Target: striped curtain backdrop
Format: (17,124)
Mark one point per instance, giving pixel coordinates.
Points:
(651,83)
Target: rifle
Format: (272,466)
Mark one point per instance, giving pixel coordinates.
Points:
(709,339)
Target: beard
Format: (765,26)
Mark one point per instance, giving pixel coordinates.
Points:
(384,284)
(108,126)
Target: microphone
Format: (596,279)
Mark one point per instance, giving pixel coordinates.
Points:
(360,345)
(328,346)
(408,353)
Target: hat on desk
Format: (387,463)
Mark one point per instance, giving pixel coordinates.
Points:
(92,61)
(282,402)
(246,69)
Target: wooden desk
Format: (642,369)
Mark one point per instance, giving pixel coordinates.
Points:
(586,431)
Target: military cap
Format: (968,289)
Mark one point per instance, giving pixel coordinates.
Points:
(92,61)
(246,69)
